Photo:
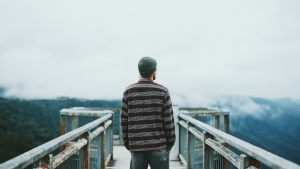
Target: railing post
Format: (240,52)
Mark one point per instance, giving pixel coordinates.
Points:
(102,149)
(188,148)
(86,152)
(207,152)
(62,132)
(248,161)
(244,163)
(75,124)
(226,130)
(217,121)
(112,138)
(226,122)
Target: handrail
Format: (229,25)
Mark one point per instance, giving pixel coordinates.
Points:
(257,153)
(37,153)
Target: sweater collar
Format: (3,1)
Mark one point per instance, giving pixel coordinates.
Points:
(142,79)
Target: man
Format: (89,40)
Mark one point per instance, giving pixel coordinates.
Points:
(147,120)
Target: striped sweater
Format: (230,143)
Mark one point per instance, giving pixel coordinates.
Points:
(147,117)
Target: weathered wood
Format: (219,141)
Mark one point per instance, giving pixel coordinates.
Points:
(207,152)
(188,147)
(183,124)
(194,131)
(62,125)
(254,163)
(226,123)
(85,112)
(182,160)
(35,154)
(112,140)
(62,132)
(86,152)
(244,162)
(102,151)
(68,152)
(43,163)
(261,155)
(96,133)
(75,123)
(217,122)
(201,113)
(107,124)
(108,159)
(225,152)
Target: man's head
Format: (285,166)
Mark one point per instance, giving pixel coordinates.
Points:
(147,67)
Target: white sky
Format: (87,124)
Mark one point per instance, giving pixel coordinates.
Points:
(204,49)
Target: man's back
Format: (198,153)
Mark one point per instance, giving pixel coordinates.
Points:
(147,121)
(149,117)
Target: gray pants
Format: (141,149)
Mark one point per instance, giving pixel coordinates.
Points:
(158,159)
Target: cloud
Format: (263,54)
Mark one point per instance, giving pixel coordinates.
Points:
(204,49)
(242,105)
(2,91)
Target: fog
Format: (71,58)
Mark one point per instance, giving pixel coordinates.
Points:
(204,49)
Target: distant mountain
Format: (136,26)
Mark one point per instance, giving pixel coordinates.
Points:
(272,124)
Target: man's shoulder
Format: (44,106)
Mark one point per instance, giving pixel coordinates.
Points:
(146,84)
(161,86)
(131,86)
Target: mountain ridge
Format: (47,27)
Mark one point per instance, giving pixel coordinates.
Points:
(271,124)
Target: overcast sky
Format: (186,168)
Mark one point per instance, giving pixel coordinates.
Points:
(204,49)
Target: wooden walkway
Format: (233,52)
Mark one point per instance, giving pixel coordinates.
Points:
(122,160)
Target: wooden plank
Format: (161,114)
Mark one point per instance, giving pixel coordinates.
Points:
(68,152)
(35,154)
(225,152)
(62,132)
(182,160)
(108,123)
(261,155)
(183,124)
(207,152)
(102,151)
(226,124)
(96,133)
(217,122)
(85,112)
(196,133)
(86,152)
(188,147)
(108,159)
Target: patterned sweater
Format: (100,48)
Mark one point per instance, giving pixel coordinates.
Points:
(147,117)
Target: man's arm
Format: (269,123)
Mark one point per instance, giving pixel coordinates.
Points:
(168,122)
(124,121)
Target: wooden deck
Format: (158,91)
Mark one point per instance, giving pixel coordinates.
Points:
(122,160)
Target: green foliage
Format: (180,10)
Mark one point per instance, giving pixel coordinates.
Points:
(26,124)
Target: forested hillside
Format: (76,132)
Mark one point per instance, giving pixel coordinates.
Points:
(273,125)
(25,124)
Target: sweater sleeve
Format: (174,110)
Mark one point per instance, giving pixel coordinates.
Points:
(168,121)
(124,121)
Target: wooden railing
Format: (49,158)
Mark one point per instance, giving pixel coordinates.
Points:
(77,142)
(86,142)
(208,147)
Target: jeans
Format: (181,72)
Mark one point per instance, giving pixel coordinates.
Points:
(157,159)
